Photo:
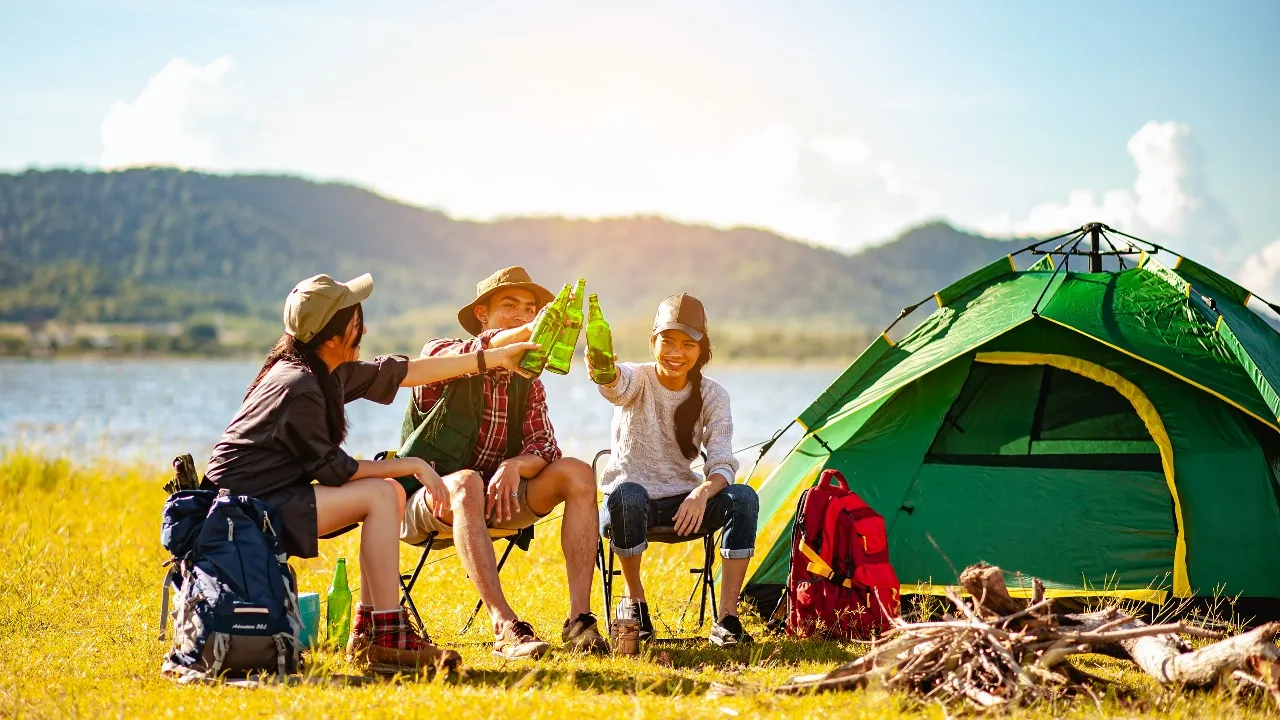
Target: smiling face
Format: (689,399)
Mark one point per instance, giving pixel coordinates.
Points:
(675,352)
(507,309)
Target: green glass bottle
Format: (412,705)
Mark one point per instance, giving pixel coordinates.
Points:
(604,368)
(338,606)
(546,328)
(571,329)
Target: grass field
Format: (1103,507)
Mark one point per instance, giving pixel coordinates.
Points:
(79,605)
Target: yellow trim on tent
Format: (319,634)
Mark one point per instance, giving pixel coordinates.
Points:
(1247,298)
(1218,325)
(801,424)
(1273,423)
(1150,418)
(1145,595)
(888,339)
(938,297)
(1188,290)
(1142,258)
(1177,263)
(1052,264)
(1012,267)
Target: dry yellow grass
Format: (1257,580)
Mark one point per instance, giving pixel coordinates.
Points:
(79,604)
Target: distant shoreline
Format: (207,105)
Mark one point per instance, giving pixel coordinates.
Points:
(763,361)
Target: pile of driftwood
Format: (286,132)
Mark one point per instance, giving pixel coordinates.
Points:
(996,651)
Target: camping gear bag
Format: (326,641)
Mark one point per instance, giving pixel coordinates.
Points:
(840,584)
(236,604)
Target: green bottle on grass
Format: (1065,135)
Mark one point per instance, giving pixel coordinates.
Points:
(338,606)
(604,368)
(571,328)
(546,328)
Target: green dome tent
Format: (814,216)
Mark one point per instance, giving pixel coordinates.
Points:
(1110,432)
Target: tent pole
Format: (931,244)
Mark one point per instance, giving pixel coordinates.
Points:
(1095,248)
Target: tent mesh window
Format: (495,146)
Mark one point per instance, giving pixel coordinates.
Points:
(1040,416)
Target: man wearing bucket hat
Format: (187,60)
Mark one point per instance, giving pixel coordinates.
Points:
(284,447)
(489,435)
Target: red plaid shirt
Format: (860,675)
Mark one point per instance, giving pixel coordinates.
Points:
(491,447)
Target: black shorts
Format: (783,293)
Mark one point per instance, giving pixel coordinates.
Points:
(296,505)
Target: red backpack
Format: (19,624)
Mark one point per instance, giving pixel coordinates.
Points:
(841,584)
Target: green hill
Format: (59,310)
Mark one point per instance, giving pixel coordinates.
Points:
(154,245)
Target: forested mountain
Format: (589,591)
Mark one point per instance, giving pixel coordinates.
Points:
(164,245)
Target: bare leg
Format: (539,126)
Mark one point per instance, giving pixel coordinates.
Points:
(377,504)
(475,548)
(570,481)
(732,573)
(631,576)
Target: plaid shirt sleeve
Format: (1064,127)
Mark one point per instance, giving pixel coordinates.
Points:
(539,436)
(425,396)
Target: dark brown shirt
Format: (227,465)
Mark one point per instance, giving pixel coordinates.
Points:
(280,437)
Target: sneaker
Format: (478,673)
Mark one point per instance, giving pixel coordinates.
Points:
(582,633)
(729,632)
(395,646)
(640,611)
(518,642)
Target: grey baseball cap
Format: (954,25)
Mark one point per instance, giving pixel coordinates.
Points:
(682,312)
(313,302)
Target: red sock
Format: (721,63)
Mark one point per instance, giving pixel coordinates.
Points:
(391,629)
(364,620)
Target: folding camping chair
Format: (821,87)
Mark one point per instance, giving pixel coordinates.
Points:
(661,534)
(441,541)
(435,541)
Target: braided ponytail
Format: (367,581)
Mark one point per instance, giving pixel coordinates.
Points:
(690,410)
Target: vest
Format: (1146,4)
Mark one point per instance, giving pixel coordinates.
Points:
(446,434)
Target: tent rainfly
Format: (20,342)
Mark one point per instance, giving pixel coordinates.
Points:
(1112,432)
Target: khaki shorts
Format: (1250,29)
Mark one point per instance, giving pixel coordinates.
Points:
(419,521)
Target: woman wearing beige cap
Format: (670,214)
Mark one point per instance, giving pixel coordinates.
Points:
(284,448)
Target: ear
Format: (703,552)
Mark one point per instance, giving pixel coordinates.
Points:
(481,312)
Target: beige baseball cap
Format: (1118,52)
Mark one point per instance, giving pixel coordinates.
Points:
(313,302)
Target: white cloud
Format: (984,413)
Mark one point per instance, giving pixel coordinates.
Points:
(182,117)
(478,159)
(1170,201)
(1260,272)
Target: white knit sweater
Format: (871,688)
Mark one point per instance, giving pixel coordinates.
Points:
(645,449)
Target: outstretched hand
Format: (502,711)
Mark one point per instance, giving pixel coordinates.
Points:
(508,356)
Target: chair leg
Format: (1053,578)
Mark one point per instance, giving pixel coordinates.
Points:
(476,610)
(606,581)
(709,578)
(407,582)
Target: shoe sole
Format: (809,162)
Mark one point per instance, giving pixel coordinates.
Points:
(535,655)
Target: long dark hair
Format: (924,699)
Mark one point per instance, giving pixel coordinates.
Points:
(688,412)
(305,353)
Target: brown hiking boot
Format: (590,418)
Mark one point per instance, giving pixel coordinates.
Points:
(582,633)
(395,646)
(517,641)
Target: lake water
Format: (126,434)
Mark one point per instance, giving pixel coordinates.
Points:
(152,410)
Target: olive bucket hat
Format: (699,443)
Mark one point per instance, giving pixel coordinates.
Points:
(514,276)
(313,302)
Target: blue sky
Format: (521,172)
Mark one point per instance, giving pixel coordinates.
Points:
(839,122)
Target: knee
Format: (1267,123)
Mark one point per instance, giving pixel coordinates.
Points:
(745,500)
(628,495)
(386,493)
(579,481)
(466,490)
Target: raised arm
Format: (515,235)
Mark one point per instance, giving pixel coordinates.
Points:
(428,370)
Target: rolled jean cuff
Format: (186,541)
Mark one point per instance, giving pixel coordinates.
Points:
(728,554)
(629,552)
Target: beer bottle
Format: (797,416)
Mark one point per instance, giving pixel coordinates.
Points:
(600,344)
(562,354)
(338,606)
(546,328)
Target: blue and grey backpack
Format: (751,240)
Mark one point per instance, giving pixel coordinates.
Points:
(236,599)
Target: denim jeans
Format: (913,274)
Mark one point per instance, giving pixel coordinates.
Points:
(628,513)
